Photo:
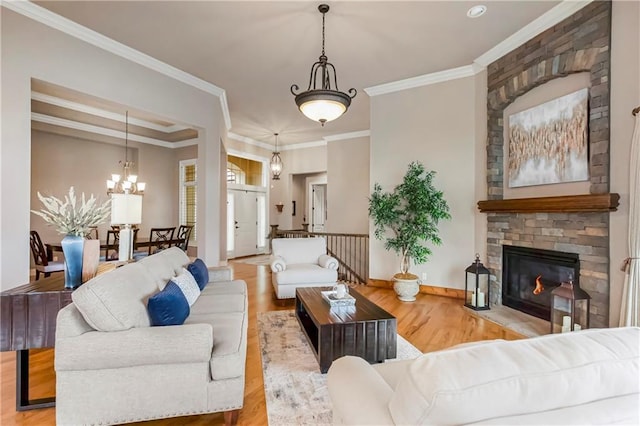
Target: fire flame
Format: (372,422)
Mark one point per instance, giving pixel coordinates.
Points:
(539,287)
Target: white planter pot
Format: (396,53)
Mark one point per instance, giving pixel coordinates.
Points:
(406,288)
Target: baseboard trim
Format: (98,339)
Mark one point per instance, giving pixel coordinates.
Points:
(454,293)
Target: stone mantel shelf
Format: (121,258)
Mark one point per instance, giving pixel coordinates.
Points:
(560,204)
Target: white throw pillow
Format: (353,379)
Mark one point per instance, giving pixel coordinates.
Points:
(188,285)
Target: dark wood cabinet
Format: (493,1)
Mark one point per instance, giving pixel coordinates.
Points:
(28,321)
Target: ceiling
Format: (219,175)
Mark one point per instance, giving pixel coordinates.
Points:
(64,111)
(255,50)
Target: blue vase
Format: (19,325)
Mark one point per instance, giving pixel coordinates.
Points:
(72,247)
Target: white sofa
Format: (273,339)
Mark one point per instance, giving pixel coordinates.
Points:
(587,377)
(113,367)
(301,262)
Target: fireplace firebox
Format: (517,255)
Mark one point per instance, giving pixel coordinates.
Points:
(529,275)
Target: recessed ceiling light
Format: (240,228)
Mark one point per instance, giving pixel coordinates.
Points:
(476,11)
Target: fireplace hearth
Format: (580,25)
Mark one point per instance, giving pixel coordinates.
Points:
(529,275)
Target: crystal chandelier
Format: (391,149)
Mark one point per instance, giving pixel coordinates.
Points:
(125,183)
(276,162)
(321,102)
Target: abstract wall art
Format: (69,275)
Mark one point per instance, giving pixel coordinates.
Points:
(549,142)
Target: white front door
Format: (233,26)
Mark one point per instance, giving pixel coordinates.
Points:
(319,207)
(245,209)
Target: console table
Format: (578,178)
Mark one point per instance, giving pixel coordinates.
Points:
(28,321)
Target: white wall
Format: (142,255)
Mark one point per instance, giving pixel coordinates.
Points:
(625,95)
(33,50)
(436,125)
(297,161)
(222,202)
(345,164)
(348,186)
(59,162)
(310,180)
(298,195)
(480,240)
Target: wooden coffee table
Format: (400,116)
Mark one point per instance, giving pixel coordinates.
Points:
(365,330)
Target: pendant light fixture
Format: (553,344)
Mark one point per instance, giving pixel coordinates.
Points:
(321,102)
(276,162)
(125,183)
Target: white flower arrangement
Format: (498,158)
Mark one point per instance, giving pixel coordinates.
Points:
(71,218)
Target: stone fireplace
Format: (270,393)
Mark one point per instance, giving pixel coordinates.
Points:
(583,234)
(579,44)
(529,275)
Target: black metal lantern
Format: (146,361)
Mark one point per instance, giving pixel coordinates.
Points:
(476,286)
(569,308)
(276,162)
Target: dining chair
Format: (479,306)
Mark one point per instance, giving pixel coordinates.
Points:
(184,234)
(113,237)
(41,257)
(160,239)
(93,233)
(117,227)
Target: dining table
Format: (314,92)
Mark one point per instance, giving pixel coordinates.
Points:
(139,243)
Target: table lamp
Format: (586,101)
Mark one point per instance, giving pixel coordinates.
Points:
(126,210)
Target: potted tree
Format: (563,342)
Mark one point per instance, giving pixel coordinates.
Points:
(406,219)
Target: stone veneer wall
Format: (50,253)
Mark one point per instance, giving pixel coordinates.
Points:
(580,43)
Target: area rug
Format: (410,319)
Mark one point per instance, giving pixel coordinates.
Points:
(295,390)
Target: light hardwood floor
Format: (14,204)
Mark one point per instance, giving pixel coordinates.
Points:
(430,323)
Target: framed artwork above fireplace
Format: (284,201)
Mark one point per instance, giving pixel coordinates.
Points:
(549,143)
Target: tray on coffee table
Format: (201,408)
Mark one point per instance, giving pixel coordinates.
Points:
(333,300)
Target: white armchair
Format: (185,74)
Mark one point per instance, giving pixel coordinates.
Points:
(301,262)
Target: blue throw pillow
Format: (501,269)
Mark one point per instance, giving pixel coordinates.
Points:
(200,272)
(168,307)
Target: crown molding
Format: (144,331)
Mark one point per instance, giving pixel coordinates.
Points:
(46,17)
(271,147)
(526,33)
(64,103)
(302,145)
(350,135)
(423,80)
(55,121)
(250,141)
(532,29)
(67,26)
(184,143)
